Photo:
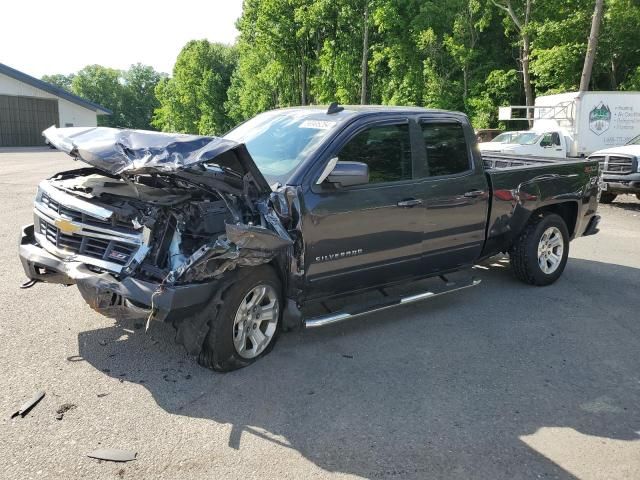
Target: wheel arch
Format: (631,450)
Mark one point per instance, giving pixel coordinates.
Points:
(568,211)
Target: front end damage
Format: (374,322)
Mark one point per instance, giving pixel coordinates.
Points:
(156,224)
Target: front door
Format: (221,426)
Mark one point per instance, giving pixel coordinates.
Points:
(366,235)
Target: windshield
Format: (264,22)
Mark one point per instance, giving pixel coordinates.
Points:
(280,140)
(526,138)
(634,141)
(502,138)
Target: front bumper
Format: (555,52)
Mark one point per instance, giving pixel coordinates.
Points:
(125,298)
(622,183)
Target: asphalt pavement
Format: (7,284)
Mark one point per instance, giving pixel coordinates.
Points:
(501,381)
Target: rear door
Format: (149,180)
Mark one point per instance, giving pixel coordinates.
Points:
(366,235)
(455,195)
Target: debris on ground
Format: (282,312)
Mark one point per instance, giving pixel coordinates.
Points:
(64,408)
(26,407)
(29,284)
(113,455)
(347,356)
(100,395)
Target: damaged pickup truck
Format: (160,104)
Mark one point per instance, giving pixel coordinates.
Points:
(229,239)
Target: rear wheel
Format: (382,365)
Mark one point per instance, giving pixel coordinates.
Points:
(606,197)
(540,253)
(638,196)
(246,324)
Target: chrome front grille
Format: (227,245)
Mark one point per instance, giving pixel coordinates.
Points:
(615,164)
(78,230)
(76,216)
(107,250)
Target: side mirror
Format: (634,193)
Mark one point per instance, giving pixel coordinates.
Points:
(347,174)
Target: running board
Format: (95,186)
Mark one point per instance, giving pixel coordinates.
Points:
(335,317)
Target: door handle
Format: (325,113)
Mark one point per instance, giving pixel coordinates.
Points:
(474,193)
(410,202)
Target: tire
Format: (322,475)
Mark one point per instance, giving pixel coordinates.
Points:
(530,252)
(606,197)
(638,196)
(219,351)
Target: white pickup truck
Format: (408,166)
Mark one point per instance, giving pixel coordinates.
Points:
(547,144)
(620,167)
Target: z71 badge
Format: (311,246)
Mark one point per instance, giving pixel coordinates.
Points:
(338,255)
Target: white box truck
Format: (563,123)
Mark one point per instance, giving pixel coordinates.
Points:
(574,124)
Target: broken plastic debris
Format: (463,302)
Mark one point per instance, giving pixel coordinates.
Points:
(113,455)
(29,283)
(64,408)
(26,407)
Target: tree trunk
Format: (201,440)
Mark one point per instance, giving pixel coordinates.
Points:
(365,55)
(614,80)
(526,77)
(591,46)
(526,50)
(465,84)
(303,83)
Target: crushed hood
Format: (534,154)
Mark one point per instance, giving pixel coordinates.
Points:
(129,152)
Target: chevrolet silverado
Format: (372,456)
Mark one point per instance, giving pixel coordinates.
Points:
(231,238)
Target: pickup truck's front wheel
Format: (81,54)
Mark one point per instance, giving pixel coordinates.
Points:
(245,324)
(540,253)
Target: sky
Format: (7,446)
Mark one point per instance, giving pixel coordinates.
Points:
(41,37)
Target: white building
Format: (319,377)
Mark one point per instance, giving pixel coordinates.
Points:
(28,106)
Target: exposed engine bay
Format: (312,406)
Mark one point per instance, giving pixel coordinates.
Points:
(164,209)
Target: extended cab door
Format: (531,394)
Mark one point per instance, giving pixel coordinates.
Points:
(370,234)
(455,194)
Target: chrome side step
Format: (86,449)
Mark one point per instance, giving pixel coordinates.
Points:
(335,317)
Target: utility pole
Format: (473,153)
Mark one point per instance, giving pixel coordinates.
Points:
(591,46)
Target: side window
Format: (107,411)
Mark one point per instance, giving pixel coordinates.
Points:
(447,152)
(549,139)
(385,148)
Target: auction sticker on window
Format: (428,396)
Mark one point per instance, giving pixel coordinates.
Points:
(318,124)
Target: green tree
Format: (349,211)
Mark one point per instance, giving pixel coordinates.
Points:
(139,100)
(60,80)
(193,99)
(101,85)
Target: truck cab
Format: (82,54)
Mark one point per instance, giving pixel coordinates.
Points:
(549,144)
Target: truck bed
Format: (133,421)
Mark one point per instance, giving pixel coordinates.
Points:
(520,185)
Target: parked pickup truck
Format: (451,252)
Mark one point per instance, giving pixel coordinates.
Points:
(620,167)
(231,239)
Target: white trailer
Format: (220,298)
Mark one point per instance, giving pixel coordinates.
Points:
(575,124)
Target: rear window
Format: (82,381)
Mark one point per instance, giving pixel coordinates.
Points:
(446,146)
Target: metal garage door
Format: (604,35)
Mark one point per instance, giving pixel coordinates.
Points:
(22,120)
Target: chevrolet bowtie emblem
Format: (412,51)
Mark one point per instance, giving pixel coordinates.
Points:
(65,226)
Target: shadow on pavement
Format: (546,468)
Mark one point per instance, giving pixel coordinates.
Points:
(446,388)
(631,206)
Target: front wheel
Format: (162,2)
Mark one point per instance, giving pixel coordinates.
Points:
(539,254)
(244,327)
